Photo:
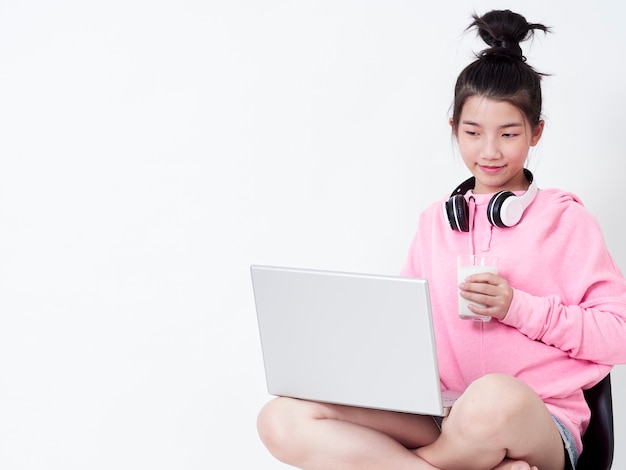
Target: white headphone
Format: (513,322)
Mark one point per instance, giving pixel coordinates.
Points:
(505,209)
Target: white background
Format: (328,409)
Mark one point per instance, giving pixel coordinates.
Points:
(152,150)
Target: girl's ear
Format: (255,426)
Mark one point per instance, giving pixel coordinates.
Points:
(537,132)
(451,122)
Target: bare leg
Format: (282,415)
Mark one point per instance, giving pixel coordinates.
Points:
(501,423)
(314,436)
(508,464)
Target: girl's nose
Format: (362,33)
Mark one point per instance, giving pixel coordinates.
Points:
(491,149)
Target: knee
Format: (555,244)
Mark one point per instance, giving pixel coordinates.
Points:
(272,425)
(490,405)
(276,425)
(500,394)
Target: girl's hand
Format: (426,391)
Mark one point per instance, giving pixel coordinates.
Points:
(490,290)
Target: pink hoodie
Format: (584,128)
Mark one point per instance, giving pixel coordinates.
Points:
(566,325)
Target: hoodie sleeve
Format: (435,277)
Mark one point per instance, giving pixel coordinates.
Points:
(585,315)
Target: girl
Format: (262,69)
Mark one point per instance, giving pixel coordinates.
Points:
(557,306)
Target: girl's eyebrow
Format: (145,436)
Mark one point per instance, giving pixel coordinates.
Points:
(504,126)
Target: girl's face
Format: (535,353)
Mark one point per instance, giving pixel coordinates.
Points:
(494,139)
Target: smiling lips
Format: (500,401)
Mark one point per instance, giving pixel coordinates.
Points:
(491,169)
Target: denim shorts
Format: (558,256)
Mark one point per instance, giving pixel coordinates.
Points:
(569,444)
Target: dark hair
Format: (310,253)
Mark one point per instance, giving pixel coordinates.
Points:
(500,72)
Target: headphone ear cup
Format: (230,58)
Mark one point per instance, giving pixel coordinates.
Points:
(497,212)
(458,213)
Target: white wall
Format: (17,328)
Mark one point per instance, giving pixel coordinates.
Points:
(152,150)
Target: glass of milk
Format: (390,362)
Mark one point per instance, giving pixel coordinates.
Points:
(466,266)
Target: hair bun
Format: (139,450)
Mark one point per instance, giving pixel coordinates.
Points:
(506,46)
(503,30)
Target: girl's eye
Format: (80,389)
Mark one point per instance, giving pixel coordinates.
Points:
(471,133)
(508,136)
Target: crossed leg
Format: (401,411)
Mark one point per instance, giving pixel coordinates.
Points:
(498,423)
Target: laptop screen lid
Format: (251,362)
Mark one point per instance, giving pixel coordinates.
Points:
(355,339)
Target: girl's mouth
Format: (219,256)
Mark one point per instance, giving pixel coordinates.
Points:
(491,169)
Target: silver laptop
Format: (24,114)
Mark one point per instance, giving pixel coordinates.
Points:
(353,339)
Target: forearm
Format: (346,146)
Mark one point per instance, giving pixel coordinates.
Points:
(594,330)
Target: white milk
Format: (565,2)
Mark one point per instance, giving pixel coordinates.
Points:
(462,273)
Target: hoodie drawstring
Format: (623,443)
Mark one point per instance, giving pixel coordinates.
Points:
(472,215)
(486,242)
